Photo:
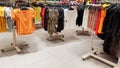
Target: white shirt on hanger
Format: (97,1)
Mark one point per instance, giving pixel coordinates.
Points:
(85,19)
(70,19)
(8,12)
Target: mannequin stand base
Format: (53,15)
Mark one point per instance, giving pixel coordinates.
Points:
(56,37)
(16,47)
(81,32)
(93,55)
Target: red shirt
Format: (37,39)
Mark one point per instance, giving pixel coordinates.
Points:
(98,21)
(42,15)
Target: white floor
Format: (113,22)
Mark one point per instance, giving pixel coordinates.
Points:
(47,54)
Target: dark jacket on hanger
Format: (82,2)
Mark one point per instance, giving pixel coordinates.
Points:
(60,20)
(46,17)
(111,30)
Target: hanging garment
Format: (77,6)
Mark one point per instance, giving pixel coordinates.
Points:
(80,1)
(80,11)
(101,17)
(85,19)
(37,11)
(2,20)
(46,17)
(8,15)
(85,1)
(98,21)
(93,1)
(103,14)
(111,31)
(102,35)
(53,21)
(92,18)
(42,14)
(60,20)
(24,21)
(70,23)
(2,24)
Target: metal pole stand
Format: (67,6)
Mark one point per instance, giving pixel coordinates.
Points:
(56,37)
(93,54)
(14,44)
(118,65)
(82,32)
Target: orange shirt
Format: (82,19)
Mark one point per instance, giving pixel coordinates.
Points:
(103,14)
(24,21)
(98,21)
(80,0)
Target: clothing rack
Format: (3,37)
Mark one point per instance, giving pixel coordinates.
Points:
(54,35)
(93,54)
(14,44)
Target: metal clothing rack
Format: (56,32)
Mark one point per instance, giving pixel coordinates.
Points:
(93,54)
(14,43)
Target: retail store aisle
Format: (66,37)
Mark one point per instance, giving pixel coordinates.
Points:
(46,54)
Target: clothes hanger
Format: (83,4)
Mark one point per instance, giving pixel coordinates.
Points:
(2,4)
(23,6)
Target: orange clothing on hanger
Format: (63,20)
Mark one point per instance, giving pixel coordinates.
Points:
(101,20)
(82,1)
(2,20)
(103,14)
(98,21)
(24,21)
